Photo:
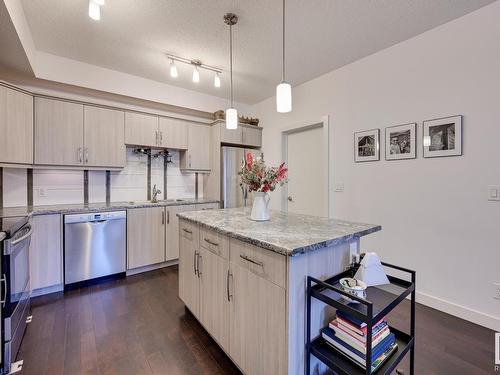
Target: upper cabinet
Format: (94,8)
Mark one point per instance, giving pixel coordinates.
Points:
(244,135)
(58,132)
(141,129)
(71,134)
(104,137)
(173,133)
(197,156)
(16,126)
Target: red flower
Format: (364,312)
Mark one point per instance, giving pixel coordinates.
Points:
(266,188)
(249,160)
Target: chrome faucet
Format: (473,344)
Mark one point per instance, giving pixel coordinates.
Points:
(155,194)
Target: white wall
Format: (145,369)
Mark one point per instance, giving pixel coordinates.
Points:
(434,212)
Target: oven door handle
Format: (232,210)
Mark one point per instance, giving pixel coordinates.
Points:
(3,280)
(27,235)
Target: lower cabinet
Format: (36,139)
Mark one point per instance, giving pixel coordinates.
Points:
(46,267)
(244,311)
(145,236)
(189,281)
(172,230)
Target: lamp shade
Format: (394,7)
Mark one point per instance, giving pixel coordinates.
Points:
(370,271)
(284,97)
(231,118)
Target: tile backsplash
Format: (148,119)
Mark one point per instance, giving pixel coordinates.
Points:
(51,186)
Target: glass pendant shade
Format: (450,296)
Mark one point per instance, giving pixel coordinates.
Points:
(173,69)
(196,75)
(231,118)
(217,80)
(99,2)
(284,97)
(94,11)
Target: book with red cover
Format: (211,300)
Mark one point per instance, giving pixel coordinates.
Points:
(361,331)
(357,341)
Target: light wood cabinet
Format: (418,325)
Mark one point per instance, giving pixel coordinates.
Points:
(104,137)
(46,252)
(197,157)
(173,133)
(145,236)
(251,136)
(257,323)
(214,303)
(172,231)
(189,282)
(141,129)
(58,132)
(16,126)
(232,136)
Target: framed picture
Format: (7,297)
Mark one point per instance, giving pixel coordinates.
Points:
(400,142)
(367,145)
(443,137)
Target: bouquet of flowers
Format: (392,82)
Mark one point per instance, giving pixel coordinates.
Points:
(259,177)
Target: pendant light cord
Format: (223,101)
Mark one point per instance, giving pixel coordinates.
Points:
(231,62)
(283,57)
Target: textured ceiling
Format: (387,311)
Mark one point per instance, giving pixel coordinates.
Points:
(322,35)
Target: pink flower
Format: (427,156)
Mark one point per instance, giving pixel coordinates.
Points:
(249,160)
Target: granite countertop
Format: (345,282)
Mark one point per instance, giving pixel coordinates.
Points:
(286,233)
(94,207)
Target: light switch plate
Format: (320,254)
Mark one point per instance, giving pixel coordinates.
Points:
(494,193)
(339,187)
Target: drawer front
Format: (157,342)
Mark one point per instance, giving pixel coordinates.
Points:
(214,242)
(265,263)
(206,206)
(189,231)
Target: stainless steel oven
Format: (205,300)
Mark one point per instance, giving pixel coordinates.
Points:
(15,286)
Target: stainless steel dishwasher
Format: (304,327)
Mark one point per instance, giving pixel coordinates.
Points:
(94,246)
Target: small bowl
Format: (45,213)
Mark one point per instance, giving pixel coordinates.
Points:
(354,287)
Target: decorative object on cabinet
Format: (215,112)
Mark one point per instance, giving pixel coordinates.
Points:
(400,142)
(367,145)
(442,137)
(261,179)
(370,271)
(220,115)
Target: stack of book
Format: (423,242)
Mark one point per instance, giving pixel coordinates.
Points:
(348,335)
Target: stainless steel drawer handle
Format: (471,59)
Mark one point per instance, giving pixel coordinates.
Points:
(243,256)
(211,242)
(3,280)
(229,274)
(195,262)
(200,258)
(187,231)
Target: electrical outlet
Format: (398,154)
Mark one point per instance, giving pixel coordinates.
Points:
(41,192)
(496,290)
(339,187)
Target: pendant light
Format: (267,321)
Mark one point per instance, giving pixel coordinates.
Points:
(284,89)
(173,69)
(231,113)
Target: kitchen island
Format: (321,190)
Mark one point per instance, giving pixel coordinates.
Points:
(245,281)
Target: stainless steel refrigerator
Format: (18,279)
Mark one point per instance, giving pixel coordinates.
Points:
(232,193)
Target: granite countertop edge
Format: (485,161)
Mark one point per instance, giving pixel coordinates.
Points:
(94,207)
(280,249)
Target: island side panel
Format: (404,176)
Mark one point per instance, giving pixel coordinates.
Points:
(322,264)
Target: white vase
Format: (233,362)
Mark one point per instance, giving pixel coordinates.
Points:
(260,208)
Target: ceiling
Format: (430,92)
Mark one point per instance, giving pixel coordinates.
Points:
(322,35)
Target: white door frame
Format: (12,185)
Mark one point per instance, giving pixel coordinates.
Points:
(323,122)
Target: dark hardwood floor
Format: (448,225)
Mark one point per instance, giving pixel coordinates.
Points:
(138,325)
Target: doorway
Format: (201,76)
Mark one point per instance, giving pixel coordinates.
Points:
(306,153)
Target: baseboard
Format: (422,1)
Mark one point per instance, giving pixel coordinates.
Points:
(474,316)
(152,267)
(51,289)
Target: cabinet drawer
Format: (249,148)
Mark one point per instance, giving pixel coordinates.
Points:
(214,242)
(189,231)
(265,263)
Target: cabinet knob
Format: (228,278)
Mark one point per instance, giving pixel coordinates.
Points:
(290,199)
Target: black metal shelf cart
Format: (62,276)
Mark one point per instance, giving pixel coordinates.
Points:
(379,302)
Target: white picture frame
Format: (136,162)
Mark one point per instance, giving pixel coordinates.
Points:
(401,142)
(367,145)
(442,137)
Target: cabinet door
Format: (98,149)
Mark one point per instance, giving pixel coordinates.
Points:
(257,323)
(141,130)
(252,136)
(189,282)
(46,252)
(214,304)
(173,133)
(58,132)
(16,126)
(145,236)
(172,232)
(104,137)
(198,154)
(233,136)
